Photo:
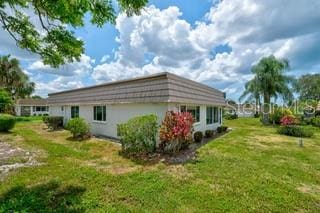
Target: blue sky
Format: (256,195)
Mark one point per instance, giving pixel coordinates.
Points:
(213,42)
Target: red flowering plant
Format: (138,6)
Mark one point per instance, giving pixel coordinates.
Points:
(288,120)
(176,130)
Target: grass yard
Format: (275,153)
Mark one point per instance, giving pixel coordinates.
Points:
(251,169)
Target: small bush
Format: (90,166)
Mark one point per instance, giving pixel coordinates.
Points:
(221,129)
(296,131)
(208,133)
(288,120)
(229,116)
(138,135)
(316,121)
(78,127)
(277,114)
(198,136)
(7,122)
(176,131)
(54,122)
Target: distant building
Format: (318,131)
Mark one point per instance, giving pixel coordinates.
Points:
(31,107)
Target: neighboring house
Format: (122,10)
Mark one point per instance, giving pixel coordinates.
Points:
(104,106)
(242,110)
(31,107)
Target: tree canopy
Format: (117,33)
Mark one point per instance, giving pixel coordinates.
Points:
(269,81)
(5,101)
(13,79)
(50,35)
(308,87)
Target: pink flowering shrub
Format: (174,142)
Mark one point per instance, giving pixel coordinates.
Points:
(288,120)
(176,130)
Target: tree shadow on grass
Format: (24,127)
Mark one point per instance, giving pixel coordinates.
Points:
(49,197)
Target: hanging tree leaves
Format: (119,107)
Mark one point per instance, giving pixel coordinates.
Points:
(54,42)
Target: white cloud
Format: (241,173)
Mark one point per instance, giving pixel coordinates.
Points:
(159,40)
(77,68)
(61,83)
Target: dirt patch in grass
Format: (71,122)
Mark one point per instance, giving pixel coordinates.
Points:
(13,157)
(310,189)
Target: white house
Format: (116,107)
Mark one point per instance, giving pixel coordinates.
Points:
(106,105)
(31,107)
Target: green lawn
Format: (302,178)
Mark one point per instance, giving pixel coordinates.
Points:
(251,169)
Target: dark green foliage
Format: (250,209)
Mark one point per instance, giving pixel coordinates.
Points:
(316,121)
(58,45)
(54,122)
(78,127)
(296,131)
(197,137)
(48,197)
(13,79)
(209,133)
(138,135)
(5,101)
(229,116)
(221,129)
(308,87)
(7,122)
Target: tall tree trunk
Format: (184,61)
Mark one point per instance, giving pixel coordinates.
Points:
(266,108)
(257,107)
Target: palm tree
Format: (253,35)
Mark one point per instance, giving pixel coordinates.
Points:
(13,79)
(270,81)
(252,93)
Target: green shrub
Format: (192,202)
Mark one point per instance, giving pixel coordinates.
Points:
(139,134)
(316,121)
(7,122)
(277,114)
(198,136)
(78,127)
(296,131)
(221,129)
(229,116)
(208,133)
(54,122)
(5,101)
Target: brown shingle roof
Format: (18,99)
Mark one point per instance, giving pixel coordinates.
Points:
(33,102)
(162,87)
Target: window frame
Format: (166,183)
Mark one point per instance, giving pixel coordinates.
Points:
(209,110)
(197,108)
(215,115)
(77,111)
(103,113)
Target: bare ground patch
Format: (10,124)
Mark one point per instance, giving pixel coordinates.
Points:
(310,189)
(13,157)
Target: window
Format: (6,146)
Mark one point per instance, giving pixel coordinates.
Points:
(194,110)
(209,115)
(216,115)
(99,113)
(62,108)
(40,108)
(220,118)
(74,111)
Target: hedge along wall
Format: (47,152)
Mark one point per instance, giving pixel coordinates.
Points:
(139,134)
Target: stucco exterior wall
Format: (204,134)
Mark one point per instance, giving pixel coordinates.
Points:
(120,113)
